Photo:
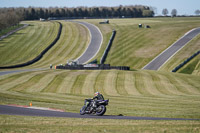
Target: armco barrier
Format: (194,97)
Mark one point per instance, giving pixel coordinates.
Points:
(40,55)
(185,62)
(99,67)
(103,58)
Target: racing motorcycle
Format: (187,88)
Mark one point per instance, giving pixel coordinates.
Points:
(91,106)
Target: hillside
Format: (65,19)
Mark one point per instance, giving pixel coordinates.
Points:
(36,37)
(131,93)
(27,43)
(135,47)
(190,68)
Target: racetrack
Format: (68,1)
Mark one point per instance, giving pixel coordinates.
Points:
(96,39)
(161,59)
(13,110)
(76,115)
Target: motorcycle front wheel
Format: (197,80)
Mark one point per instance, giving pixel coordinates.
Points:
(82,111)
(101,110)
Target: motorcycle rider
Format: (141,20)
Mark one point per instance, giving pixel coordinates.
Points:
(97,97)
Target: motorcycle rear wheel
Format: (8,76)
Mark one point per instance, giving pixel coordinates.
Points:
(101,110)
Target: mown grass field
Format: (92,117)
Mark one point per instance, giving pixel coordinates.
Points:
(135,47)
(69,125)
(190,68)
(7,30)
(131,93)
(27,43)
(36,37)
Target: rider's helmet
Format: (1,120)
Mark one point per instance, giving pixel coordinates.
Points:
(96,93)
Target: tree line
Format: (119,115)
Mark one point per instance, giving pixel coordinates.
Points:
(8,16)
(88,12)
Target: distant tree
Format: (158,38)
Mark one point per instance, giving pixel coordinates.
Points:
(174,13)
(154,9)
(41,13)
(63,13)
(12,16)
(9,17)
(197,12)
(147,13)
(32,14)
(165,12)
(57,13)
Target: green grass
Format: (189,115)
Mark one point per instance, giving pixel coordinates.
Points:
(33,39)
(29,41)
(72,43)
(135,47)
(131,93)
(187,51)
(9,29)
(190,67)
(20,124)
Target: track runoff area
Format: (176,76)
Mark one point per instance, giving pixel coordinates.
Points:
(153,65)
(46,112)
(166,55)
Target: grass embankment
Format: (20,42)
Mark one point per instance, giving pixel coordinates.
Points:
(135,47)
(69,125)
(131,93)
(27,43)
(72,43)
(7,30)
(35,38)
(192,67)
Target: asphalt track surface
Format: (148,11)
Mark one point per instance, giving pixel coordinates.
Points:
(22,111)
(17,71)
(94,46)
(161,59)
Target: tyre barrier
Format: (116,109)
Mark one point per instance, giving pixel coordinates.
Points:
(185,61)
(40,55)
(96,67)
(103,58)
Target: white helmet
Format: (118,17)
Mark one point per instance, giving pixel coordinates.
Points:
(96,93)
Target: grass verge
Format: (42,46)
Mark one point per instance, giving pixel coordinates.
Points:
(69,125)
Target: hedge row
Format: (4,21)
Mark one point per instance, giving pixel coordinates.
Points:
(186,61)
(103,58)
(40,55)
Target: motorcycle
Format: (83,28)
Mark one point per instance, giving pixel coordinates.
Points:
(91,106)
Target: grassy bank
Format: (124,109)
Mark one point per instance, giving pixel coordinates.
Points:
(131,93)
(135,47)
(67,125)
(7,30)
(32,40)
(27,43)
(191,67)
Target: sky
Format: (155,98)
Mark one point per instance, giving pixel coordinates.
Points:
(184,7)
